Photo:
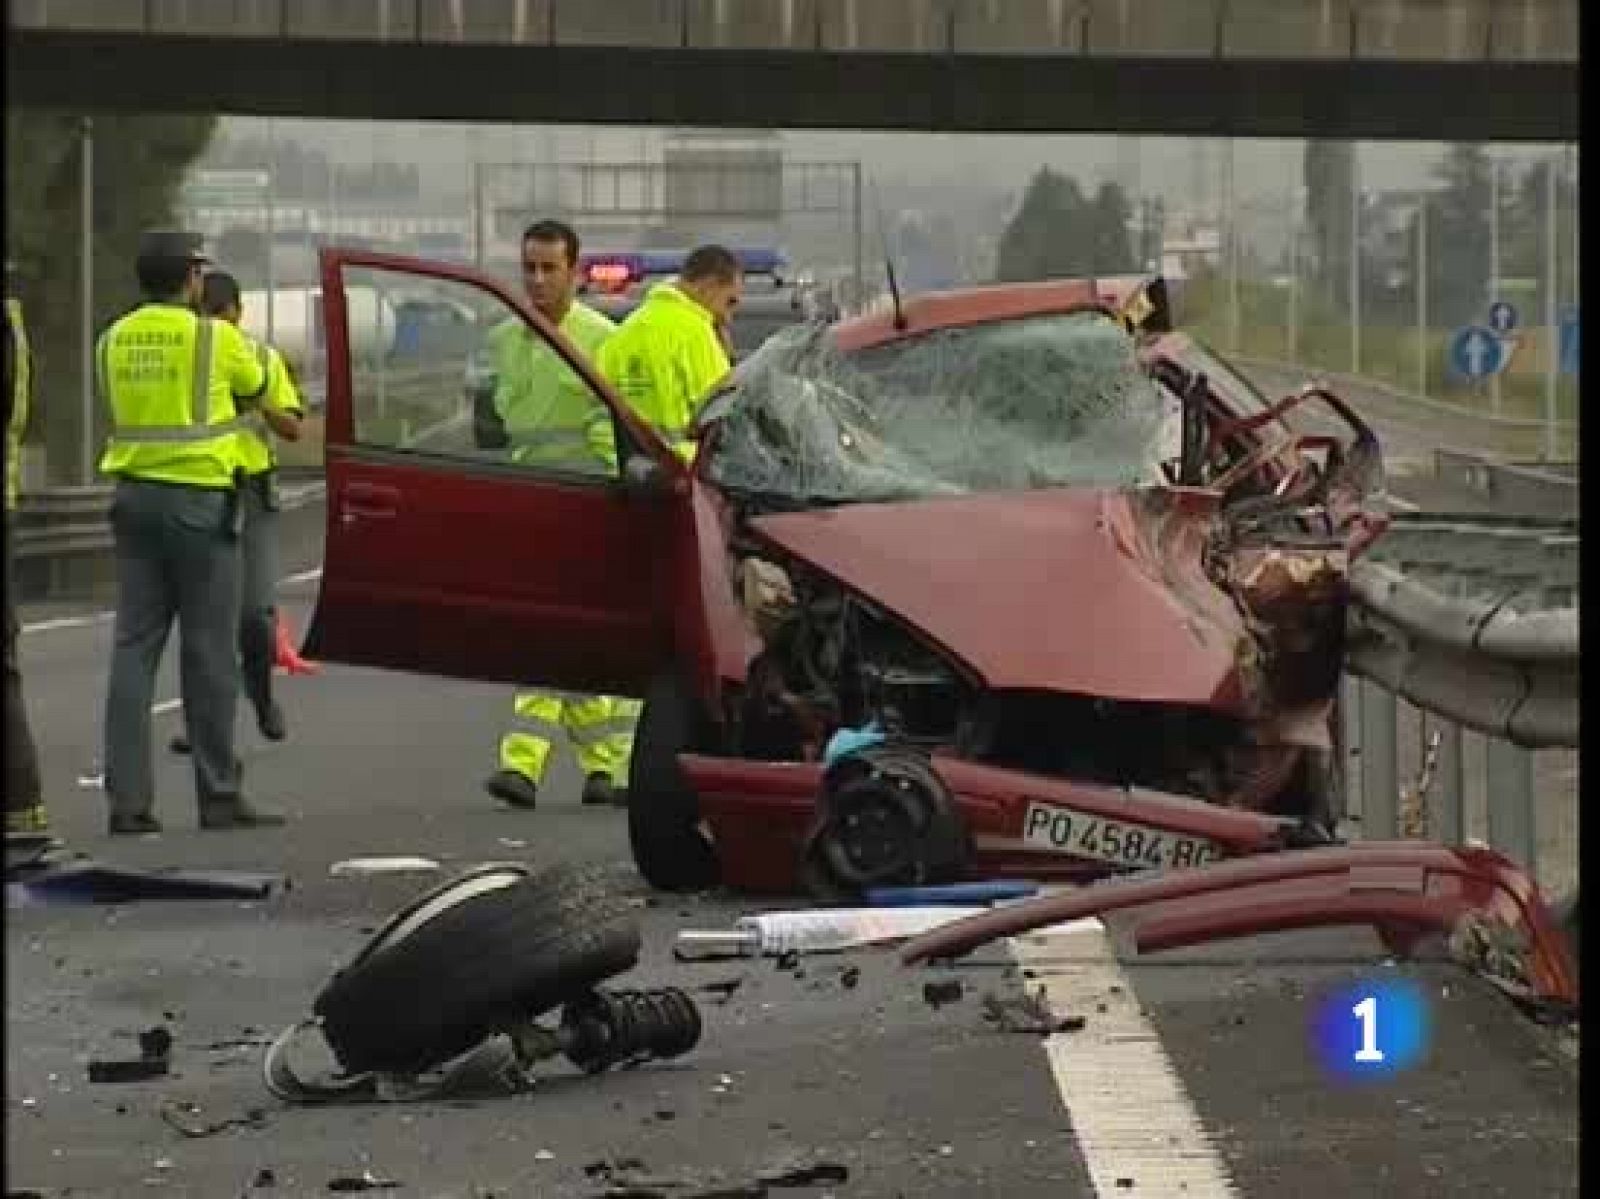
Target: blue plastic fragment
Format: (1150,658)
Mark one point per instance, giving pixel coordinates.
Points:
(952,894)
(851,741)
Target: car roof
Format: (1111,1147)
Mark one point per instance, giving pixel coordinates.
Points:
(961,307)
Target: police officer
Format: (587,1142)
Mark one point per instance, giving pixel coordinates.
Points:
(25,811)
(280,412)
(170,377)
(671,352)
(546,409)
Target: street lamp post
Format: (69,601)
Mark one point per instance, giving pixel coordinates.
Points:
(1552,357)
(86,313)
(1422,293)
(1355,262)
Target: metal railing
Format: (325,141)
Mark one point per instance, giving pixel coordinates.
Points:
(1518,487)
(1464,640)
(1533,31)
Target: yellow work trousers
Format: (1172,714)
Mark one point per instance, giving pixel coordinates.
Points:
(600,728)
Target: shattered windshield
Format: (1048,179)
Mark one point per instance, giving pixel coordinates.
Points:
(1047,401)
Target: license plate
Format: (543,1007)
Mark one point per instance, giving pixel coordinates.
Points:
(1085,835)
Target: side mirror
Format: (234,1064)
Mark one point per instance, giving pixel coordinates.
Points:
(643,476)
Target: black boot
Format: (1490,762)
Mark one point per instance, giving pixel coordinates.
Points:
(239,813)
(598,789)
(134,824)
(513,788)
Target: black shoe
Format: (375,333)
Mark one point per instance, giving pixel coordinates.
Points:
(179,743)
(599,789)
(137,825)
(239,813)
(518,790)
(269,719)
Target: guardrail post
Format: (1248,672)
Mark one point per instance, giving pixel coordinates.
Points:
(1447,799)
(1350,741)
(1509,778)
(1380,764)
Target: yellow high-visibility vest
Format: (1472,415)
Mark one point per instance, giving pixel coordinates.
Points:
(545,405)
(255,442)
(664,360)
(170,378)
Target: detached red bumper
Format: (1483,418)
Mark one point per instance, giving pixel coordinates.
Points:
(1404,890)
(760,813)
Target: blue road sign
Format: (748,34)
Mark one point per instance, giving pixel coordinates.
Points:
(1569,342)
(1476,353)
(1502,317)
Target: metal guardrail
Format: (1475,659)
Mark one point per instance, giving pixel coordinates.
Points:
(1473,623)
(1368,383)
(1536,490)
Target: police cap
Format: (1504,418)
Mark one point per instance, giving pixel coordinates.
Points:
(172,245)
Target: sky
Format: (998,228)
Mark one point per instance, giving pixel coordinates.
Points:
(1265,170)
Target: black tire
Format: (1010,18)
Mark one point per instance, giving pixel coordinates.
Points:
(663,811)
(419,996)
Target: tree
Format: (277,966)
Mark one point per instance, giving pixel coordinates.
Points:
(1111,250)
(1458,227)
(139,164)
(1329,174)
(1058,233)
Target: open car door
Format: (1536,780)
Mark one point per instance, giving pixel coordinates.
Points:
(449,554)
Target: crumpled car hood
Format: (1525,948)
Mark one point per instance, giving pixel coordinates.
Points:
(1085,590)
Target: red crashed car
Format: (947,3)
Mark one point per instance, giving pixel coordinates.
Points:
(1010,581)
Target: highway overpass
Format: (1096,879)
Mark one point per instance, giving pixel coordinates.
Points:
(1367,69)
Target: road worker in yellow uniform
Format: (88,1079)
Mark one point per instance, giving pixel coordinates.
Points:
(671,352)
(177,385)
(280,414)
(25,810)
(546,409)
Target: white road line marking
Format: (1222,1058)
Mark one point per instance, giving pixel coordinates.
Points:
(94,618)
(67,622)
(166,705)
(1130,1113)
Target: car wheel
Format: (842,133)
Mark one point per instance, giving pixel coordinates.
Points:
(885,818)
(663,811)
(498,946)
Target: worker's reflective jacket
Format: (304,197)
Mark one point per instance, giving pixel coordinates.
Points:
(20,364)
(255,441)
(665,359)
(170,378)
(545,406)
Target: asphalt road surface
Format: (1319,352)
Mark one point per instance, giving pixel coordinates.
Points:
(1193,1073)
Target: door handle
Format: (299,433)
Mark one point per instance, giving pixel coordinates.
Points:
(368,499)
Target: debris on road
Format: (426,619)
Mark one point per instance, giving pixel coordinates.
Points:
(365,1181)
(446,996)
(849,977)
(154,1060)
(1028,1013)
(82,880)
(817,930)
(937,994)
(389,865)
(173,1115)
(628,1178)
(723,989)
(949,894)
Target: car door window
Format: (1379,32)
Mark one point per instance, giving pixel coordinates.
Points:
(446,369)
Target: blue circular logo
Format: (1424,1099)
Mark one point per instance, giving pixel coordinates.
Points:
(1371,1029)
